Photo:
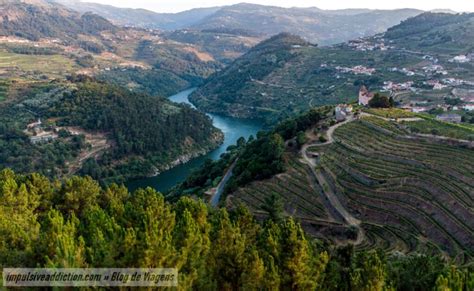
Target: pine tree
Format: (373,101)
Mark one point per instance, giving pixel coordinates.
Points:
(104,238)
(65,249)
(368,272)
(301,269)
(156,241)
(19,228)
(454,280)
(227,258)
(253,276)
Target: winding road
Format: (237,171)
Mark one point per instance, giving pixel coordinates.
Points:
(327,190)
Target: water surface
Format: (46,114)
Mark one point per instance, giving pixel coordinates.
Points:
(233,129)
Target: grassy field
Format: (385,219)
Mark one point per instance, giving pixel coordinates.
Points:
(435,127)
(391,113)
(51,65)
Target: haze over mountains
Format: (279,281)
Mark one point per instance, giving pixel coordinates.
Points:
(319,26)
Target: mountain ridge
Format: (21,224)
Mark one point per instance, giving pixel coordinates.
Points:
(314,24)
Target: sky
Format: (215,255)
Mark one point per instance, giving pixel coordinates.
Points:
(181,5)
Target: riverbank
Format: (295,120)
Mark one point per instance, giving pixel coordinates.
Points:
(232,128)
(216,141)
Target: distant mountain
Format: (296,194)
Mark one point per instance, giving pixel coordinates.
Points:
(141,17)
(40,19)
(315,25)
(224,45)
(90,44)
(435,32)
(285,75)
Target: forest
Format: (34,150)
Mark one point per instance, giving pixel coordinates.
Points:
(139,125)
(256,158)
(76,223)
(143,131)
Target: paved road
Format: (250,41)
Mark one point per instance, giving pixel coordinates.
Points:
(327,190)
(220,188)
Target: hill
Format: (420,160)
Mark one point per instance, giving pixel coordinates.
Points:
(42,40)
(252,68)
(38,19)
(98,47)
(286,75)
(315,25)
(78,224)
(141,17)
(435,32)
(97,129)
(370,181)
(224,45)
(426,62)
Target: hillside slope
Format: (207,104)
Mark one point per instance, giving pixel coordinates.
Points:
(141,17)
(231,91)
(369,181)
(424,62)
(435,32)
(405,192)
(39,19)
(315,25)
(42,40)
(211,249)
(98,129)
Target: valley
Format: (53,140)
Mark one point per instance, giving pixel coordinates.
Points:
(249,147)
(325,27)
(232,128)
(285,75)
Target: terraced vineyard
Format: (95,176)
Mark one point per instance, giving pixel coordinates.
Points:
(302,198)
(410,195)
(3,89)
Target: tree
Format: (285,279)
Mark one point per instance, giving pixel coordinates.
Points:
(455,279)
(191,240)
(379,101)
(64,248)
(368,272)
(391,101)
(416,272)
(228,258)
(273,204)
(213,249)
(301,270)
(78,195)
(301,139)
(254,273)
(19,227)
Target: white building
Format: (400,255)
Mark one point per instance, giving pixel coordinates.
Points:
(468,107)
(460,59)
(342,111)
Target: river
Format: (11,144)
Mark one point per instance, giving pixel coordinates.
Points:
(233,129)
